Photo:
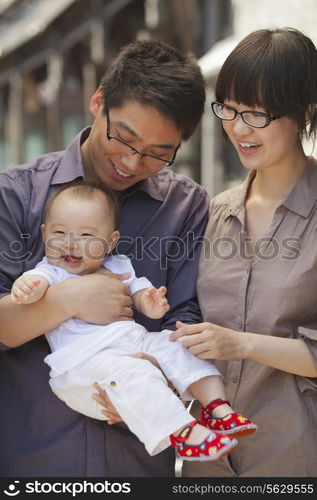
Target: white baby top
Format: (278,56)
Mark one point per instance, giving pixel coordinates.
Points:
(73,329)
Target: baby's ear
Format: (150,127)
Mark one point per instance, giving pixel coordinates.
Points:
(42,229)
(114,238)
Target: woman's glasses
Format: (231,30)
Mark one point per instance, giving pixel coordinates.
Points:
(257,119)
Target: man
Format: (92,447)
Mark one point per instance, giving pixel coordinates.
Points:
(150,100)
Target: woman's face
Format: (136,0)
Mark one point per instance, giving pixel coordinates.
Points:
(260,148)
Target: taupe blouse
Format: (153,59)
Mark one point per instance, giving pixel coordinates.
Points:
(273,292)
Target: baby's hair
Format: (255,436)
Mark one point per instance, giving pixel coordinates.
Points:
(80,189)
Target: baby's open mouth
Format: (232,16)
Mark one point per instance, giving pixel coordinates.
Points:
(72,259)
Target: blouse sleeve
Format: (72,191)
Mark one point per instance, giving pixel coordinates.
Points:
(309,336)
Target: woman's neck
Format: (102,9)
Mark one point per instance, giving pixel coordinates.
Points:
(274,183)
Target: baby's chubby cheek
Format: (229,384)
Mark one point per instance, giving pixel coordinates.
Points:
(96,248)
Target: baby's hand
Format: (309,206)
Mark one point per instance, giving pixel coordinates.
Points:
(24,290)
(155,303)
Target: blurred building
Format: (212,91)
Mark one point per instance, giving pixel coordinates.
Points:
(53,53)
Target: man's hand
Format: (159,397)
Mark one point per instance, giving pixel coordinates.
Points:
(101,298)
(109,410)
(102,398)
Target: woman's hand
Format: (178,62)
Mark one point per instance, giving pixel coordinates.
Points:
(209,341)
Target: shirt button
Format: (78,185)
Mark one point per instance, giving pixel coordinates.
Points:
(234,378)
(113,383)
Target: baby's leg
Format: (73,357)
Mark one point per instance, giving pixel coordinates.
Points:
(208,389)
(138,391)
(199,379)
(178,365)
(216,413)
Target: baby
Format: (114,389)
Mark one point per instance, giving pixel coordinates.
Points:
(79,233)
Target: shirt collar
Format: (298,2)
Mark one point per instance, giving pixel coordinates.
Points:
(237,202)
(300,200)
(71,165)
(71,168)
(150,186)
(303,196)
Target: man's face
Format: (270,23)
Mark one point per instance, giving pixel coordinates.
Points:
(142,127)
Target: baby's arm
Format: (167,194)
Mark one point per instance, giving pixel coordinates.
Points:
(28,289)
(151,302)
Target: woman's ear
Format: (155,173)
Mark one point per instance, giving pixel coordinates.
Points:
(96,102)
(310,113)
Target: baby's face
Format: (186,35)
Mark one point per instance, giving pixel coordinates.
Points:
(78,233)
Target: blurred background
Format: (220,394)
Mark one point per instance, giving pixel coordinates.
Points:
(53,53)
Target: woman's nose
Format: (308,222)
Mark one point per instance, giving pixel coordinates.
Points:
(240,127)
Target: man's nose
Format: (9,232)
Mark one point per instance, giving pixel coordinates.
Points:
(132,161)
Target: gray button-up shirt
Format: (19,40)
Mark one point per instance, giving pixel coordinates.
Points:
(161,221)
(272,292)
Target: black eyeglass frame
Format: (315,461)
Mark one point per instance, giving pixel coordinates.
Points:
(269,118)
(134,151)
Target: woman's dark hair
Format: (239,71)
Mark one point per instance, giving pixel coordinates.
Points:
(156,74)
(277,70)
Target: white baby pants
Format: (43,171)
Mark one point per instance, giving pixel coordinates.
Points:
(137,389)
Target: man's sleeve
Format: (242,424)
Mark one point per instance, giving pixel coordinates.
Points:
(183,261)
(13,248)
(13,242)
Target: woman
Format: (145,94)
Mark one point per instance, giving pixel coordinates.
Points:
(257,285)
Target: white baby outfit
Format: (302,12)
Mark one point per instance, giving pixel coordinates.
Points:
(84,353)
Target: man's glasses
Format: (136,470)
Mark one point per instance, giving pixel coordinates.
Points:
(257,119)
(150,161)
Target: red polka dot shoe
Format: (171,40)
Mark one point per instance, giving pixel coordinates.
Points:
(215,446)
(232,424)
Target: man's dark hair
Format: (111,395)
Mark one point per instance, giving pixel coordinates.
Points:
(80,189)
(155,74)
(277,70)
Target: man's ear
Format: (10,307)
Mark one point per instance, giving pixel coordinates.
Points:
(114,238)
(96,102)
